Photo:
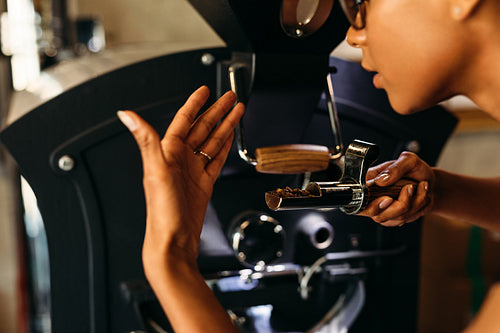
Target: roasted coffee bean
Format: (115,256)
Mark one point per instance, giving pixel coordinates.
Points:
(288,192)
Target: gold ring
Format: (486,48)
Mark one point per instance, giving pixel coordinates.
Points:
(201,152)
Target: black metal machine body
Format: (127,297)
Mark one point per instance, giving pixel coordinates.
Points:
(85,171)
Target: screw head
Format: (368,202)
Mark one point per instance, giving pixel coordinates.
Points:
(354,241)
(66,163)
(207,59)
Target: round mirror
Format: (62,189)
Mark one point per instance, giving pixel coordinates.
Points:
(300,18)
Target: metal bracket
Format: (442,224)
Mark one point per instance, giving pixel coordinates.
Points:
(358,158)
(240,79)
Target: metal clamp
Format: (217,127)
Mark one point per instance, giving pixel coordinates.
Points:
(358,158)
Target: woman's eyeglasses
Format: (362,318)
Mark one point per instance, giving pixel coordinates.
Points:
(355,10)
(300,18)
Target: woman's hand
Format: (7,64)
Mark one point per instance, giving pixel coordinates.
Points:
(181,169)
(179,173)
(413,201)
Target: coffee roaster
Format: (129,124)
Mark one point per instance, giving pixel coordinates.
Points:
(274,271)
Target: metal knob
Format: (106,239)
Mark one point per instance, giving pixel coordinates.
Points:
(317,230)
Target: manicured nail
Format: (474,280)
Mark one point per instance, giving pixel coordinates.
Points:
(410,190)
(426,186)
(127,121)
(383,177)
(385,203)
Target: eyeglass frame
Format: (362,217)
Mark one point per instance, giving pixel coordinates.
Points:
(361,11)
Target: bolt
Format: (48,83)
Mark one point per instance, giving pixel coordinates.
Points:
(354,241)
(66,163)
(207,59)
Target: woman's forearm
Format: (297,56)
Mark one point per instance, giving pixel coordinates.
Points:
(183,294)
(468,199)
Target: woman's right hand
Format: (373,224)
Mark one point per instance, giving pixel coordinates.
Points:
(413,201)
(180,170)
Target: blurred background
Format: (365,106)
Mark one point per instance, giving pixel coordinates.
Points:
(458,262)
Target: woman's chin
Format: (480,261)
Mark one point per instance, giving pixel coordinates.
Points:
(404,107)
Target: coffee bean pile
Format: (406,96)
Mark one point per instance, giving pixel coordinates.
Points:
(288,192)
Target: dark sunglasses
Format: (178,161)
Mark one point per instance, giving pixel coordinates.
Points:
(355,10)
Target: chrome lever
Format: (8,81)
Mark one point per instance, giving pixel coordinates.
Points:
(237,73)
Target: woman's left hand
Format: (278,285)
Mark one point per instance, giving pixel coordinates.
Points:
(413,201)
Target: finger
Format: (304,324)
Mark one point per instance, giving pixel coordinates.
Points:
(217,139)
(148,142)
(185,116)
(204,125)
(205,157)
(376,170)
(215,167)
(394,213)
(376,206)
(397,169)
(420,202)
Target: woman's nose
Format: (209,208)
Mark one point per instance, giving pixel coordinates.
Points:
(356,37)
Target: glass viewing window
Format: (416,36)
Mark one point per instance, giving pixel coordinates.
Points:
(300,18)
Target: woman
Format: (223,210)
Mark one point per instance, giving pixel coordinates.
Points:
(423,52)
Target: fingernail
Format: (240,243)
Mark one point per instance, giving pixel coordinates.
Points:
(127,121)
(426,186)
(410,190)
(383,177)
(385,203)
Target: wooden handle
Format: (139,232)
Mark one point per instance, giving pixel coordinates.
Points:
(292,159)
(392,191)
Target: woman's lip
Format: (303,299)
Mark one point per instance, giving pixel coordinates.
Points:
(376,81)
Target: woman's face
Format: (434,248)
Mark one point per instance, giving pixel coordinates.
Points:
(414,47)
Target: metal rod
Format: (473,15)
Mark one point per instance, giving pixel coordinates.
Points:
(334,119)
